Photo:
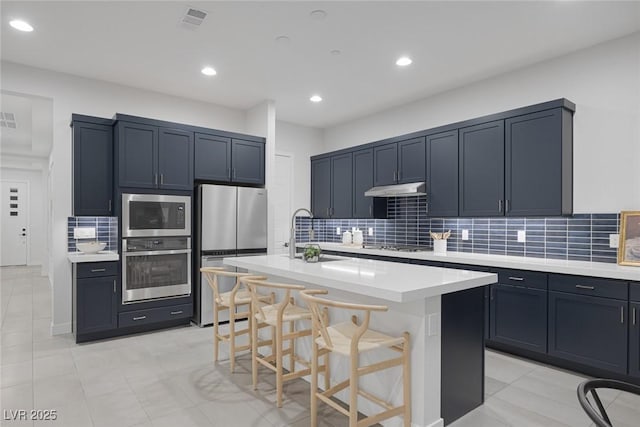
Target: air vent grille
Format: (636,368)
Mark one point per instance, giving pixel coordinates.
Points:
(7,120)
(193,18)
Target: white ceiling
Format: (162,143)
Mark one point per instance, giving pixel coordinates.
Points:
(452,43)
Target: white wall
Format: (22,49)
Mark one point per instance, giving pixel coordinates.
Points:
(301,142)
(36,235)
(603,81)
(71,94)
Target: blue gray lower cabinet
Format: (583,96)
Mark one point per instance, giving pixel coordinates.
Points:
(154,315)
(634,339)
(589,330)
(95,299)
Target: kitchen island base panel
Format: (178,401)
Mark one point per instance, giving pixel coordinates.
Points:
(421,319)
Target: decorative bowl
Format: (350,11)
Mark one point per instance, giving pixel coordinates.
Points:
(90,247)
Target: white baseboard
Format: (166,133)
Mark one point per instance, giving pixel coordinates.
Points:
(61,328)
(437,423)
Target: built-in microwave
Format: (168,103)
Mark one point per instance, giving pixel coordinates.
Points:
(152,215)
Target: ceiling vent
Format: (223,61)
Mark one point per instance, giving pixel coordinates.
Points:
(7,120)
(193,18)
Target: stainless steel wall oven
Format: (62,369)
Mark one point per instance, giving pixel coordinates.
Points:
(155,268)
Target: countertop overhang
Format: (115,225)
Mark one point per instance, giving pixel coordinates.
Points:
(76,257)
(379,279)
(577,268)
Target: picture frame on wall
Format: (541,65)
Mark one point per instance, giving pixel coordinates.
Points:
(629,245)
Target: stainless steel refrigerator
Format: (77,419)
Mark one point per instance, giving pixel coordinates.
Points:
(230,221)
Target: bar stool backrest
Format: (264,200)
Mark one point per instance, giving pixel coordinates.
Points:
(254,287)
(212,274)
(317,305)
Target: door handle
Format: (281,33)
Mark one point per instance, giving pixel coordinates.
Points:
(114,286)
(633,317)
(519,279)
(234,173)
(399,175)
(175,313)
(622,314)
(500,205)
(370,210)
(507,206)
(155,178)
(161,179)
(229,172)
(589,288)
(98,270)
(491,293)
(140,318)
(109,205)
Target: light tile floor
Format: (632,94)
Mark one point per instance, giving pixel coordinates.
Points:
(166,378)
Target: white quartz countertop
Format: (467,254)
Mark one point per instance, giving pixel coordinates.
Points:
(379,279)
(580,268)
(75,257)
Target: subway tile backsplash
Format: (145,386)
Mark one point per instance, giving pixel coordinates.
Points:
(583,237)
(106,230)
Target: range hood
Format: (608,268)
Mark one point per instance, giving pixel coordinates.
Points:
(398,190)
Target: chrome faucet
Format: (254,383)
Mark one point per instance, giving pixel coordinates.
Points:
(292,237)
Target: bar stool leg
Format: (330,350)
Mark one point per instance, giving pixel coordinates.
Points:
(232,336)
(292,346)
(216,331)
(327,370)
(353,390)
(406,392)
(254,352)
(314,382)
(279,367)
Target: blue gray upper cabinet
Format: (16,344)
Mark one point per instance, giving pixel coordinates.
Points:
(137,146)
(247,162)
(442,174)
(385,164)
(538,164)
(482,169)
(175,159)
(212,157)
(411,165)
(362,181)
(321,187)
(341,186)
(92,168)
(154,157)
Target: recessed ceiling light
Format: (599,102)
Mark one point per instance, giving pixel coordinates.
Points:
(403,61)
(209,71)
(318,15)
(335,52)
(21,25)
(315,98)
(283,40)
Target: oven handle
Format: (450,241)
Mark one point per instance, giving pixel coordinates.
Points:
(147,253)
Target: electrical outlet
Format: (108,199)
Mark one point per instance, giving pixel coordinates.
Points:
(614,240)
(338,231)
(465,234)
(370,233)
(522,236)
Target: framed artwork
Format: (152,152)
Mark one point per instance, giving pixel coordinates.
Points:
(629,246)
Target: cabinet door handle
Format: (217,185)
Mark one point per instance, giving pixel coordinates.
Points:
(507,205)
(370,210)
(109,205)
(174,313)
(519,279)
(633,317)
(589,288)
(114,286)
(234,173)
(140,318)
(500,205)
(98,270)
(161,179)
(399,174)
(491,293)
(229,172)
(622,314)
(155,179)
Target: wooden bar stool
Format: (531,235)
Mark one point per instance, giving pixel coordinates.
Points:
(350,339)
(238,296)
(276,315)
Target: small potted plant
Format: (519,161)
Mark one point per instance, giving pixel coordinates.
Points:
(311,253)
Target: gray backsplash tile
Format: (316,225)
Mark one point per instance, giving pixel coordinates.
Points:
(579,237)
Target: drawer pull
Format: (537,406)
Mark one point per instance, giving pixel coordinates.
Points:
(98,270)
(519,279)
(174,313)
(590,288)
(140,318)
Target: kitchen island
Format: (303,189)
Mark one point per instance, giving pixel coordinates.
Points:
(442,309)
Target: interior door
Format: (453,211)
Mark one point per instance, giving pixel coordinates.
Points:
(14,223)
